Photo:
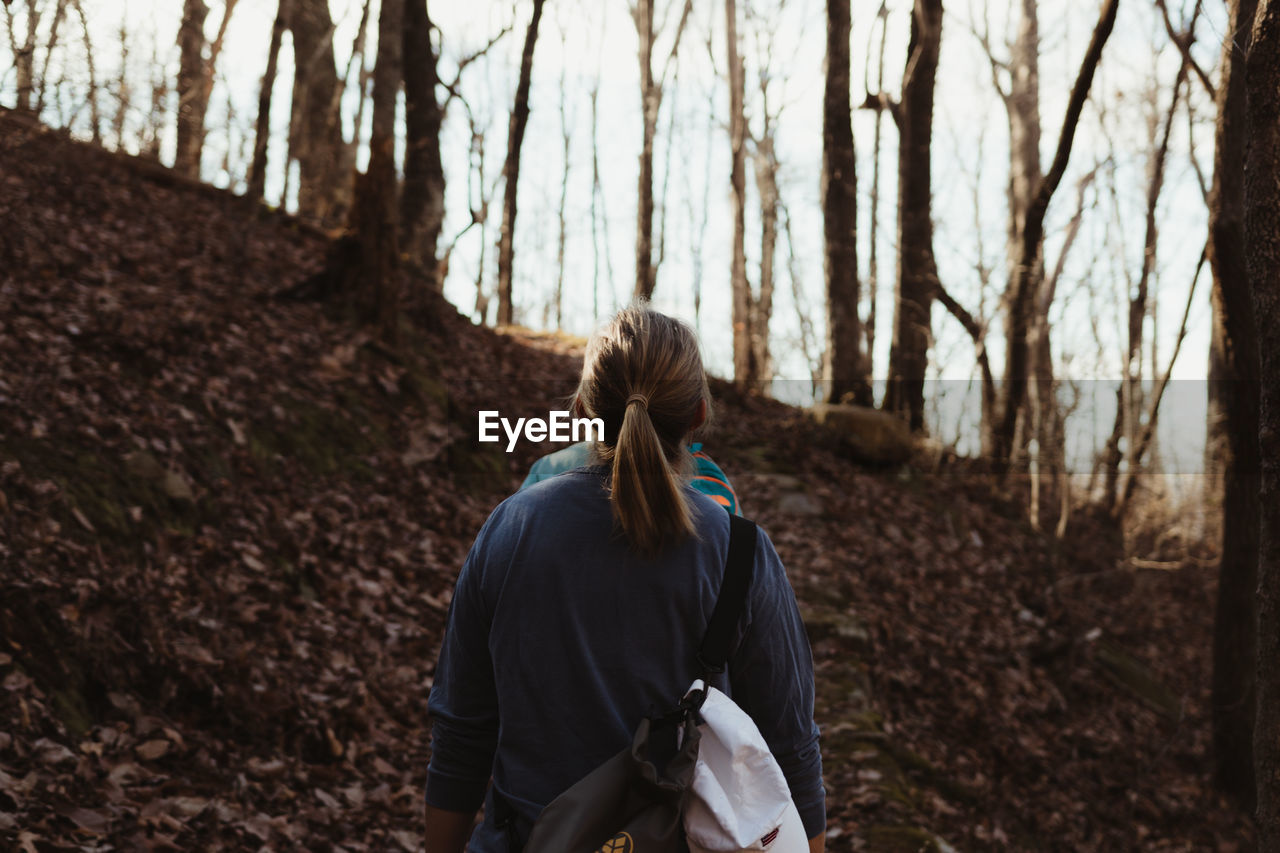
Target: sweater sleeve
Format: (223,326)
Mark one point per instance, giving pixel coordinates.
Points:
(771,675)
(463,704)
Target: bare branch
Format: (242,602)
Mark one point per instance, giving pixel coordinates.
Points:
(452,86)
(977,331)
(675,45)
(984,41)
(881,101)
(1033,231)
(1183,41)
(1153,410)
(1073,229)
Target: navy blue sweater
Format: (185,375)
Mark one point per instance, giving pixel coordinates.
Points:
(560,639)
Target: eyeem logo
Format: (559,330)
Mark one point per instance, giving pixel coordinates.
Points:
(557,427)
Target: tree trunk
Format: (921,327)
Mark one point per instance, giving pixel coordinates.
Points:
(844,369)
(873,262)
(315,138)
(422,205)
(1023,108)
(1016,361)
(1234,640)
(562,235)
(191,73)
(373,221)
(766,171)
(745,371)
(511,171)
(24,58)
(917,272)
(262,134)
(95,111)
(124,95)
(59,12)
(651,91)
(1262,212)
(650,102)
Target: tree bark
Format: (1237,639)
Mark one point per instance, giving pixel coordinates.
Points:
(124,94)
(511,171)
(191,73)
(24,57)
(1262,212)
(651,92)
(917,272)
(1022,107)
(315,138)
(373,221)
(1235,639)
(422,204)
(95,111)
(262,133)
(844,369)
(873,265)
(766,172)
(650,102)
(1015,384)
(744,362)
(562,235)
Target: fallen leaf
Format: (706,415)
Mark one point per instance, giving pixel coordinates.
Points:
(152,749)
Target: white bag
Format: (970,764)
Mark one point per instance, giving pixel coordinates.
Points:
(741,800)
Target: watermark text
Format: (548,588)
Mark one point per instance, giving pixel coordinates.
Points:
(558,426)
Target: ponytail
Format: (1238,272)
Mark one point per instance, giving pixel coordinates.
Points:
(648,501)
(643,375)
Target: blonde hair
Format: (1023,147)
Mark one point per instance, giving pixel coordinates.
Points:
(643,376)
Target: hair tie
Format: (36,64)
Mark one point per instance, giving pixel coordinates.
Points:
(639,398)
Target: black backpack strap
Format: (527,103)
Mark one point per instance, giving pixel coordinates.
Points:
(739,566)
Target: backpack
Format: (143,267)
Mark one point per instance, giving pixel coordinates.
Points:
(697,777)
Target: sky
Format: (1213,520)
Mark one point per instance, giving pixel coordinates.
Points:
(587,45)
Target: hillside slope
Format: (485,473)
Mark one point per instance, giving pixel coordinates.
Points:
(229,527)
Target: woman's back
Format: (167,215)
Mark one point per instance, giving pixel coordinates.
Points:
(582,604)
(581,637)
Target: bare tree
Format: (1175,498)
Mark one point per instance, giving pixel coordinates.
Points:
(422,204)
(1235,638)
(59,14)
(191,70)
(1128,420)
(374,214)
(1016,372)
(651,92)
(95,112)
(124,92)
(873,239)
(844,369)
(745,369)
(315,133)
(258,168)
(1144,440)
(511,171)
(24,52)
(917,271)
(1021,100)
(1262,211)
(566,122)
(159,100)
(598,213)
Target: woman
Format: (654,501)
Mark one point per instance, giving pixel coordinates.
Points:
(581,605)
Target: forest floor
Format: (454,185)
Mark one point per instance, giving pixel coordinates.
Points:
(230,524)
